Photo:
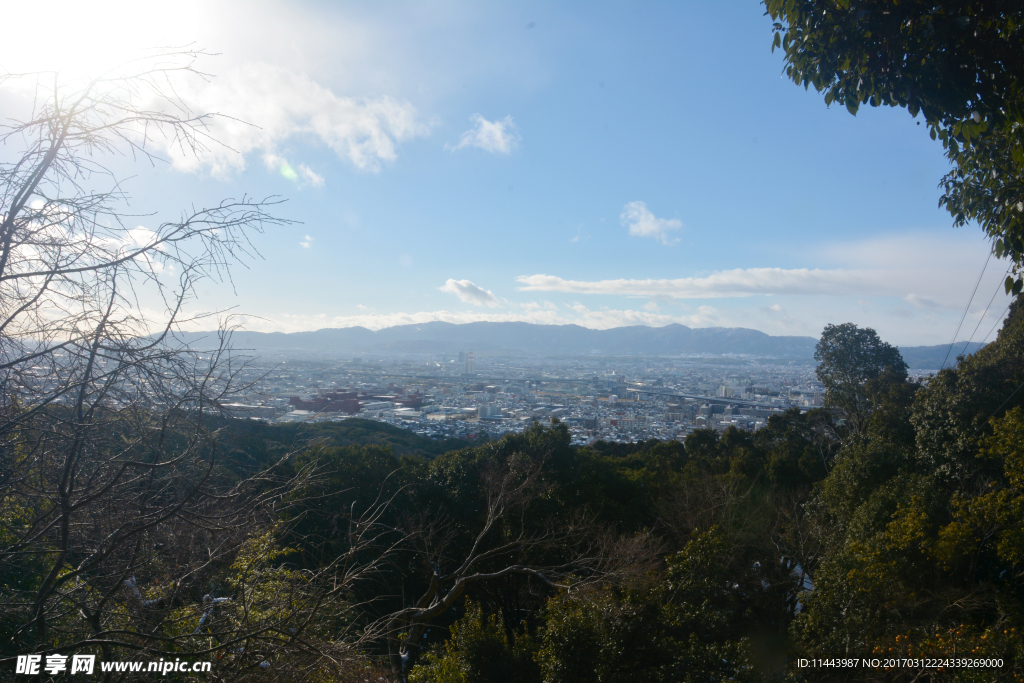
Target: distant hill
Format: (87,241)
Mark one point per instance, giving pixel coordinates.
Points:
(487,337)
(931,357)
(568,340)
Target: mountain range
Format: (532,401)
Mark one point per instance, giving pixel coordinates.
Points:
(562,340)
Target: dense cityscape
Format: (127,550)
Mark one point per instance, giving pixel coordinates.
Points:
(455,395)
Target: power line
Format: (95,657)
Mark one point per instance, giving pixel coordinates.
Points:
(982,424)
(998,320)
(966,308)
(1019,386)
(999,286)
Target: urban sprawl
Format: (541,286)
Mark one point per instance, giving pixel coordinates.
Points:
(456,396)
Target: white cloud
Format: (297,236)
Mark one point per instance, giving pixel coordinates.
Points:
(306,242)
(606,318)
(303,174)
(273,162)
(727,283)
(140,236)
(921,301)
(311,176)
(534,305)
(642,223)
(780,321)
(121,243)
(271,104)
(500,137)
(887,284)
(935,270)
(470,293)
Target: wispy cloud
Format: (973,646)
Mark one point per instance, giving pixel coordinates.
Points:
(470,293)
(499,137)
(302,174)
(727,283)
(780,320)
(921,301)
(306,242)
(642,223)
(606,318)
(311,176)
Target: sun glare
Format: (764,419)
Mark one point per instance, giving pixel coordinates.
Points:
(84,39)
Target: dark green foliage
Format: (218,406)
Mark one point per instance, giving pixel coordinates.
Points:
(347,481)
(891,398)
(986,187)
(849,358)
(944,60)
(479,651)
(251,443)
(683,628)
(957,64)
(734,583)
(951,415)
(737,552)
(797,447)
(918,520)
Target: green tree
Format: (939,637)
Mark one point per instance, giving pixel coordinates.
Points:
(479,651)
(990,524)
(951,415)
(849,358)
(920,518)
(682,628)
(490,522)
(957,64)
(798,447)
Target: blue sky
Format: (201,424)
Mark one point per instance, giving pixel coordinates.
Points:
(602,164)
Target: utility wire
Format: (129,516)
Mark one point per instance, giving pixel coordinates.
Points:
(1019,386)
(999,286)
(982,424)
(998,320)
(966,308)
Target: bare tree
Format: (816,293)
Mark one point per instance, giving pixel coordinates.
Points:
(124,532)
(118,516)
(507,541)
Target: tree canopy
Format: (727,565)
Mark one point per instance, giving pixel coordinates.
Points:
(849,358)
(957,64)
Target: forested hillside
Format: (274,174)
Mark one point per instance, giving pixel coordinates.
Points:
(890,527)
(253,444)
(727,557)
